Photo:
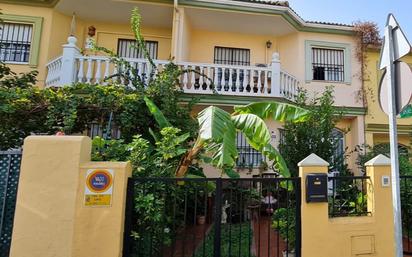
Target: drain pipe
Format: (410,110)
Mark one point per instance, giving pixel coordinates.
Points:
(177,27)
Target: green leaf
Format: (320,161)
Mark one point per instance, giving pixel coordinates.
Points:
(274,155)
(273,110)
(254,128)
(157,114)
(231,173)
(218,132)
(151,132)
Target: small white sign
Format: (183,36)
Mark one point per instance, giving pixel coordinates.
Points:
(99,187)
(386,181)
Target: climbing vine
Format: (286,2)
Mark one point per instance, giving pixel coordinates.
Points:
(367,36)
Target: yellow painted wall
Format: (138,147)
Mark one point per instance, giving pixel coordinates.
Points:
(46,199)
(98,231)
(384,138)
(203,43)
(107,35)
(375,115)
(349,236)
(51,218)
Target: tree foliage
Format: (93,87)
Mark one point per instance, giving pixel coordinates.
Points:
(314,134)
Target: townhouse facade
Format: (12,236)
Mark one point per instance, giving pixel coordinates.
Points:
(252,50)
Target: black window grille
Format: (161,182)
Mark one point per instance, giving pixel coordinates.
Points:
(127,48)
(15,42)
(232,56)
(95,129)
(248,156)
(328,64)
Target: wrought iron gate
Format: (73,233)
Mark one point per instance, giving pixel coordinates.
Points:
(406,202)
(205,217)
(9,178)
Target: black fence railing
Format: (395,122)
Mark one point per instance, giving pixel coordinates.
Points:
(348,196)
(9,179)
(406,207)
(205,217)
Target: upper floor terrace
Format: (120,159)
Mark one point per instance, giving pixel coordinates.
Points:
(246,48)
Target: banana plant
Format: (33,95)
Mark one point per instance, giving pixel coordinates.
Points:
(217,133)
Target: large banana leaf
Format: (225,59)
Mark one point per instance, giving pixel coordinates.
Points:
(274,155)
(157,114)
(273,110)
(218,133)
(254,128)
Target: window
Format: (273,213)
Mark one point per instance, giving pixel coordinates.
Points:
(232,56)
(95,129)
(328,61)
(248,156)
(126,49)
(328,64)
(15,42)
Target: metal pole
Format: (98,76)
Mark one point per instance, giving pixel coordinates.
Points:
(394,146)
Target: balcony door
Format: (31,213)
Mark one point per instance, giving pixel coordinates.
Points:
(127,48)
(232,57)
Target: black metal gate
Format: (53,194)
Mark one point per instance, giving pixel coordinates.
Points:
(9,178)
(205,217)
(406,202)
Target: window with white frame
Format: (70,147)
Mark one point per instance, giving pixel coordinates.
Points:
(328,64)
(127,48)
(15,42)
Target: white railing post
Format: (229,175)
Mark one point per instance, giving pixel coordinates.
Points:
(275,79)
(68,69)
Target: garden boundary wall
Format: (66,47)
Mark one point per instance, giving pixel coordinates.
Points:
(371,235)
(51,217)
(55,217)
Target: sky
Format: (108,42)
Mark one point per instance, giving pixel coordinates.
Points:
(348,11)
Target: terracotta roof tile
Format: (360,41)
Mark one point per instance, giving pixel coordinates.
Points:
(286,4)
(271,2)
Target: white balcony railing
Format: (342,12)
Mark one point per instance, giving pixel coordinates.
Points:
(198,78)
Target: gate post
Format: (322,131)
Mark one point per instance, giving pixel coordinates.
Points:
(314,216)
(66,205)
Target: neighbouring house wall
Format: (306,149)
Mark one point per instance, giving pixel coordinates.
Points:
(375,114)
(376,120)
(45,39)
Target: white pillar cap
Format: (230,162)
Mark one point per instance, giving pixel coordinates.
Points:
(313,160)
(380,160)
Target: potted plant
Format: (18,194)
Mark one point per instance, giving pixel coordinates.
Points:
(284,222)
